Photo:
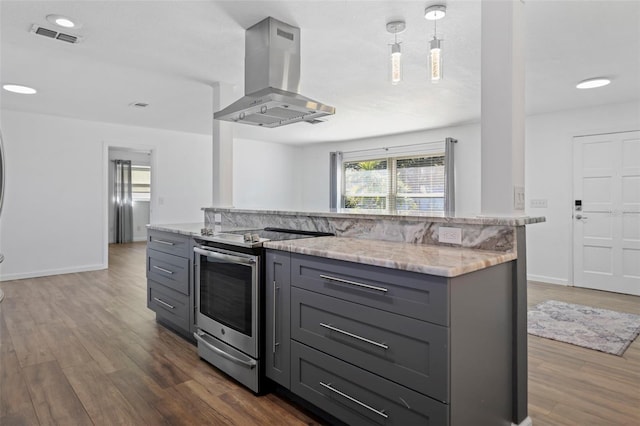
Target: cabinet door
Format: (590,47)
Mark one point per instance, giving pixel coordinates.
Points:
(277,312)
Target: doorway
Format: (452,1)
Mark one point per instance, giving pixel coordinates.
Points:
(606,212)
(140,191)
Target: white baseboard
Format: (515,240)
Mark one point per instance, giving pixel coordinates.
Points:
(46,273)
(549,280)
(525,422)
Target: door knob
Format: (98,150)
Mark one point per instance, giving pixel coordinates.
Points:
(579,216)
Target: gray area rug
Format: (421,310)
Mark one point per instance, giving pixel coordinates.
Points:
(600,329)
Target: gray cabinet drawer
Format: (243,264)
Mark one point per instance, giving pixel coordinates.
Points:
(168,304)
(423,297)
(402,349)
(168,242)
(356,396)
(169,270)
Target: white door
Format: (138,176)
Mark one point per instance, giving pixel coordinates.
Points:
(606,228)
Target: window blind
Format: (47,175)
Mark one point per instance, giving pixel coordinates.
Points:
(141,183)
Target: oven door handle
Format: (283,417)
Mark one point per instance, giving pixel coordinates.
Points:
(200,338)
(222,256)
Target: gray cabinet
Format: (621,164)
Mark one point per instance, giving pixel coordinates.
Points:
(277,314)
(375,345)
(170,280)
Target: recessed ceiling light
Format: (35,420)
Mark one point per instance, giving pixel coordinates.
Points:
(62,21)
(593,83)
(16,88)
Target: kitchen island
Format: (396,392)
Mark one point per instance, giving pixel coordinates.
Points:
(477,367)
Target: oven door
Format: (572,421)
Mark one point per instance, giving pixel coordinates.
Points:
(227,297)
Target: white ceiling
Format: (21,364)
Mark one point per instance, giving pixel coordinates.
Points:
(170,53)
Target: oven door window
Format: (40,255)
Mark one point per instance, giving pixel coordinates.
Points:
(225,293)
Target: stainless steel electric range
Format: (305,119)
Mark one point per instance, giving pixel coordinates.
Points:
(229,281)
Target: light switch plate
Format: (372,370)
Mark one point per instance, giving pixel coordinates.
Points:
(217,217)
(450,235)
(518,197)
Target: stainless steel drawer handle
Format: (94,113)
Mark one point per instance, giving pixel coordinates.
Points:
(355,336)
(340,280)
(169,243)
(163,303)
(352,399)
(166,271)
(201,338)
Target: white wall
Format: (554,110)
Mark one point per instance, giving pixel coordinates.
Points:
(55,213)
(141,209)
(263,175)
(549,175)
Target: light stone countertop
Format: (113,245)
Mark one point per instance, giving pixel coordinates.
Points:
(410,217)
(189,229)
(443,261)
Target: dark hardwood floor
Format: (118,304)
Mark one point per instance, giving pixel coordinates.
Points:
(83,349)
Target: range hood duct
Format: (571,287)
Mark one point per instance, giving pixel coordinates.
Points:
(272,79)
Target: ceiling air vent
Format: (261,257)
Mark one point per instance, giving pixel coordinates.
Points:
(36,29)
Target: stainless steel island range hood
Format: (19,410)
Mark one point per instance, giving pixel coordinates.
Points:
(271,80)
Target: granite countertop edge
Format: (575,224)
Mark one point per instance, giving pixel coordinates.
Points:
(443,261)
(414,217)
(189,229)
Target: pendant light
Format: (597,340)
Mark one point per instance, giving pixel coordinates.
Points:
(433,13)
(395,74)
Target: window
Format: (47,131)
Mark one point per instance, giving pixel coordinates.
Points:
(141,183)
(395,185)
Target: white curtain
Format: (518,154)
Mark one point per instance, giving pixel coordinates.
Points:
(123,204)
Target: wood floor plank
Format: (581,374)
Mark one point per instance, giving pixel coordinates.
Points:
(28,343)
(27,417)
(14,393)
(65,346)
(102,349)
(212,398)
(103,401)
(152,363)
(186,408)
(53,398)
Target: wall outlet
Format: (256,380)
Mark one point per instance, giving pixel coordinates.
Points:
(217,218)
(450,235)
(539,203)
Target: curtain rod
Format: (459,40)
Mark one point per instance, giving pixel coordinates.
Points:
(387,148)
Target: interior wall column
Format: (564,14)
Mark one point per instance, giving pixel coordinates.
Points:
(502,163)
(502,108)
(222,164)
